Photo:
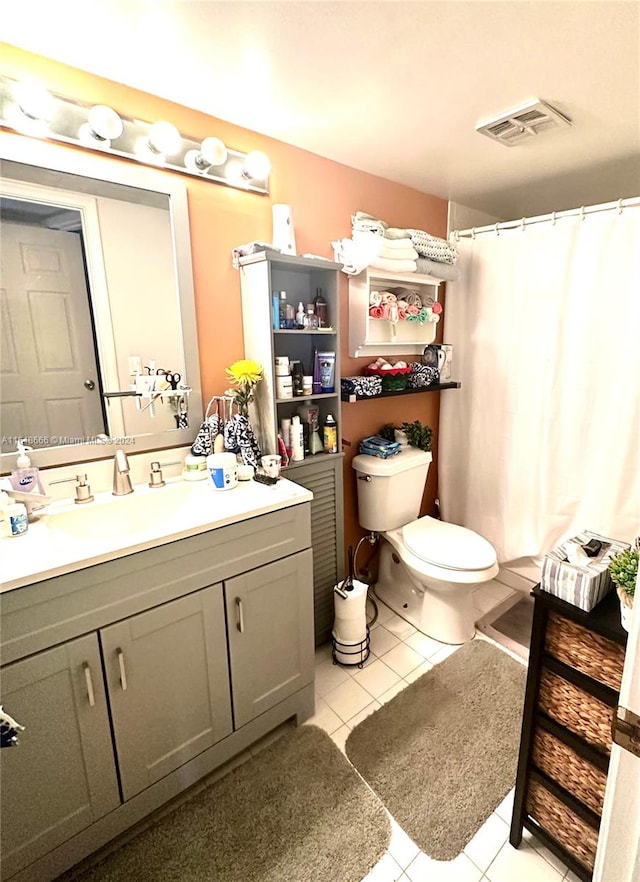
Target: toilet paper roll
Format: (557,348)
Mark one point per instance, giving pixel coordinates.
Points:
(350,618)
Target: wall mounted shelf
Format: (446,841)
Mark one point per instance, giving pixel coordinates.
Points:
(352,398)
(376,336)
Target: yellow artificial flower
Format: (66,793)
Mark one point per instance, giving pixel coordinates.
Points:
(244,372)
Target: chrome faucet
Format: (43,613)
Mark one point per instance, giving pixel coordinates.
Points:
(121,480)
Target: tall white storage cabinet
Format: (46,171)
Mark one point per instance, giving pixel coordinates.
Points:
(260,276)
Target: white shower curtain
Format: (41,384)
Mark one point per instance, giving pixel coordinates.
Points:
(542,440)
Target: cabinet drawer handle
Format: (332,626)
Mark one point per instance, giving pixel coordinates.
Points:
(87,676)
(123,673)
(240,622)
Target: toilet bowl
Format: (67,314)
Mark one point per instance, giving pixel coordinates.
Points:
(428,569)
(427,574)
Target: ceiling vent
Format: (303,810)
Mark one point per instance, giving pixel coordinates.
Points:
(523,123)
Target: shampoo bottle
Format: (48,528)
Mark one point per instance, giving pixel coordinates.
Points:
(297,440)
(26,477)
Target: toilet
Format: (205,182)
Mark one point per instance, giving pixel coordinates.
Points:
(428,569)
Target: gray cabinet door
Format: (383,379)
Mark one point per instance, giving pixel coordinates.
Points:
(61,777)
(323,476)
(270,622)
(168,680)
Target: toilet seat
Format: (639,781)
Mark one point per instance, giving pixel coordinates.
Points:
(448,546)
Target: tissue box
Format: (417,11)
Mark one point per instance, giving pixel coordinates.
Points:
(582,584)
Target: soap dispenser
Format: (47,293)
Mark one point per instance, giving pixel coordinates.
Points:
(26,477)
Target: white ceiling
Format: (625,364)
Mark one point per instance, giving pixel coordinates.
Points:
(394,88)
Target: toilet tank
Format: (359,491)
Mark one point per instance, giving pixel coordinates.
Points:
(390,490)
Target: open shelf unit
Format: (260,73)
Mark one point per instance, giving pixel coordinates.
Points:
(370,336)
(352,397)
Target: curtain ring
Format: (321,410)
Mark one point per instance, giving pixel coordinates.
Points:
(582,213)
(457,235)
(619,206)
(553,218)
(473,232)
(522,224)
(497,230)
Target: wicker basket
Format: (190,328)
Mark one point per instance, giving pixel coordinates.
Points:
(576,710)
(559,762)
(572,832)
(585,651)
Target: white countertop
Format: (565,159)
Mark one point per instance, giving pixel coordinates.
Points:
(187,508)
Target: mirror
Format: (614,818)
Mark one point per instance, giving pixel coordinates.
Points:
(121,232)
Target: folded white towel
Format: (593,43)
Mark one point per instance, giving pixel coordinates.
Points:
(392,244)
(394,266)
(397,251)
(395,233)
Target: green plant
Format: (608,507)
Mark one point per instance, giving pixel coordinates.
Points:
(388,432)
(623,570)
(418,435)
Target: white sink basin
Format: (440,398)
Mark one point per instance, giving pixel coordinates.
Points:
(110,517)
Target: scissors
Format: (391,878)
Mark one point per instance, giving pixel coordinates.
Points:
(172,378)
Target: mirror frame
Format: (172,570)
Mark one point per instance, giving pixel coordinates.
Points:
(29,151)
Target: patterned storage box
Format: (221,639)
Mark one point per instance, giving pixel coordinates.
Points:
(582,584)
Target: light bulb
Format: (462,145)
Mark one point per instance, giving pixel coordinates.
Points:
(212,153)
(103,126)
(105,122)
(33,99)
(257,165)
(164,138)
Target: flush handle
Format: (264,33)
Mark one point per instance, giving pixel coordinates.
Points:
(87,677)
(89,384)
(364,478)
(123,673)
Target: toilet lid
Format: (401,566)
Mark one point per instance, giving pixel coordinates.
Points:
(448,545)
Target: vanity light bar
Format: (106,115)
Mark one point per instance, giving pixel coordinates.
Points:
(101,129)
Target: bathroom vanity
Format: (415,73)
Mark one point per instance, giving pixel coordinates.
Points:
(139,663)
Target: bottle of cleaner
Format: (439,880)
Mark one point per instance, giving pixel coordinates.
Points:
(330,435)
(26,477)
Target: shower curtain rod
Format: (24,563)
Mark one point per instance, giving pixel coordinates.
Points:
(621,204)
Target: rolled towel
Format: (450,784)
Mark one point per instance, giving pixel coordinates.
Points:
(376,311)
(375,298)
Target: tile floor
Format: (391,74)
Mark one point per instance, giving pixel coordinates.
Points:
(344,696)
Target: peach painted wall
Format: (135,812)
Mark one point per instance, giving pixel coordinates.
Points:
(323,195)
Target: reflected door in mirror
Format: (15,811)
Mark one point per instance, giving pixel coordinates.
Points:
(50,379)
